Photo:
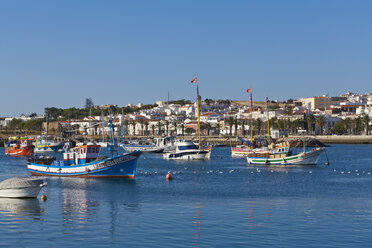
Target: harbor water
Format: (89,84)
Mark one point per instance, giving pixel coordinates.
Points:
(223,202)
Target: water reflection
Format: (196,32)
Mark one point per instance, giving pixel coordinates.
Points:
(19,207)
(197,220)
(85,199)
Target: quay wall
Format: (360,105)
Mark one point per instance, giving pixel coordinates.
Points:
(232,141)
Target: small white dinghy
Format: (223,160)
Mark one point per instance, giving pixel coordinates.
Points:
(20,187)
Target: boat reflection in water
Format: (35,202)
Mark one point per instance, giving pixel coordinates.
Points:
(85,199)
(18,207)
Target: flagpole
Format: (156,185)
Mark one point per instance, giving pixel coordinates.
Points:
(197,103)
(251,120)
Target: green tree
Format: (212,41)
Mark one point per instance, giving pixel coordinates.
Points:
(189,130)
(159,126)
(35,125)
(218,127)
(53,113)
(142,122)
(365,121)
(153,129)
(338,128)
(311,121)
(183,128)
(231,123)
(133,123)
(15,124)
(146,127)
(89,103)
(258,125)
(167,126)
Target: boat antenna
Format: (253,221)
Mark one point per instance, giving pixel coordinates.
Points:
(268,120)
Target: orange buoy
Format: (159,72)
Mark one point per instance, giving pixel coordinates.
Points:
(169,176)
(43,198)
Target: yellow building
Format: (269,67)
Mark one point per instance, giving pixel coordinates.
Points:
(316,102)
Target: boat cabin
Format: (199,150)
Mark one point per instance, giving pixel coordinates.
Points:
(81,154)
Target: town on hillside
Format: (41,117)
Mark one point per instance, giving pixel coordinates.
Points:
(347,114)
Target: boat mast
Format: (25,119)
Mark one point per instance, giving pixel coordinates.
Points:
(268,120)
(193,81)
(250,91)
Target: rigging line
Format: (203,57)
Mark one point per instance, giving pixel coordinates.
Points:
(150,162)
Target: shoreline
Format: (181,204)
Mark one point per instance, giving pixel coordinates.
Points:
(232,140)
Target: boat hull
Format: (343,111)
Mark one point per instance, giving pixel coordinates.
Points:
(186,156)
(238,152)
(19,152)
(45,149)
(30,192)
(304,158)
(147,149)
(122,166)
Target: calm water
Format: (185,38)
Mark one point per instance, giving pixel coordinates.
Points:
(217,203)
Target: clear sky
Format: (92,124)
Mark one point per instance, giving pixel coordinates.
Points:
(57,53)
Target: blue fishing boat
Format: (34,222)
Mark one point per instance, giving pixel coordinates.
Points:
(83,161)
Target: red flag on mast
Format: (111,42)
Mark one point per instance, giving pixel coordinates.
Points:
(249,90)
(194,80)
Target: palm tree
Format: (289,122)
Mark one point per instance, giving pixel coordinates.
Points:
(274,122)
(311,121)
(167,126)
(208,126)
(142,121)
(231,123)
(183,128)
(243,123)
(126,123)
(133,123)
(365,121)
(159,126)
(146,127)
(258,123)
(175,125)
(320,121)
(218,127)
(153,129)
(347,125)
(358,125)
(236,123)
(304,122)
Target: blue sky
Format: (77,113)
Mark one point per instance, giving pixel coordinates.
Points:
(57,53)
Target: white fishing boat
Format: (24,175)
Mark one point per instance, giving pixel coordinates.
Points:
(187,150)
(142,147)
(168,143)
(310,157)
(18,187)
